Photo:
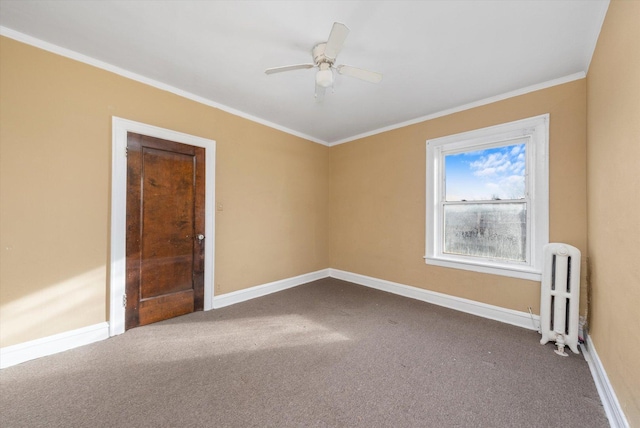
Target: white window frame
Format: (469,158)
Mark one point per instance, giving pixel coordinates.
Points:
(536,131)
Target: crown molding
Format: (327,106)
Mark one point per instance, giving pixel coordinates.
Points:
(485,101)
(68,53)
(50,47)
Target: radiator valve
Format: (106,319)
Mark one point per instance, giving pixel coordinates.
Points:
(560,344)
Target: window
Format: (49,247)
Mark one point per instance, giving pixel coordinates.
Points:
(488,199)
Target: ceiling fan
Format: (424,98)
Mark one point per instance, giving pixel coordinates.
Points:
(324,57)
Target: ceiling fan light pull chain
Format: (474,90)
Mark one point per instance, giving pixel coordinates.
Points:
(333,80)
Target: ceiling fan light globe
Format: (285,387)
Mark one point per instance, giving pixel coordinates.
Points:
(324,78)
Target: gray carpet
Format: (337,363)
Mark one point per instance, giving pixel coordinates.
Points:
(325,354)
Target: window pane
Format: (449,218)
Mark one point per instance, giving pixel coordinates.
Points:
(497,230)
(490,174)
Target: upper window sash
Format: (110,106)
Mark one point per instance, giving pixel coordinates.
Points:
(535,131)
(525,140)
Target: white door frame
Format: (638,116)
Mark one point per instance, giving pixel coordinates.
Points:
(120,128)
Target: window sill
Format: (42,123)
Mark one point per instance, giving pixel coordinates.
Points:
(520,272)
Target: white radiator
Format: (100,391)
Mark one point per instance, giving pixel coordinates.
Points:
(560,296)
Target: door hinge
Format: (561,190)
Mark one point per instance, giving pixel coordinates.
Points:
(124,300)
(126,152)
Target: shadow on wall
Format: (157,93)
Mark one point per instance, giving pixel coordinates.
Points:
(35,315)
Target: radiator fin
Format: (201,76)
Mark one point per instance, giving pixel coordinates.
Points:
(559,296)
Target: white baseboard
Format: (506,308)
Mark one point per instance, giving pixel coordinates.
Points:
(610,402)
(509,316)
(262,290)
(49,345)
(16,354)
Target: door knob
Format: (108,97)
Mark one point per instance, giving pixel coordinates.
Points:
(200,237)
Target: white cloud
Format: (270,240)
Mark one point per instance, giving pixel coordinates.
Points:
(503,171)
(485,172)
(517,167)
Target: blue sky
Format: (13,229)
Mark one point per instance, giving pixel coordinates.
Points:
(483,174)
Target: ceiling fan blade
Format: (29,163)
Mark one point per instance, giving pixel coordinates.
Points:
(358,73)
(337,36)
(288,68)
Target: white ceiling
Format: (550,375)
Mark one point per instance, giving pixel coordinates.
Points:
(434,55)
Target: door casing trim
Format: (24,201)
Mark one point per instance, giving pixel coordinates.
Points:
(117,279)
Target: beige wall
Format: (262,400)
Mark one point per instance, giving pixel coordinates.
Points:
(378,197)
(293,207)
(613,149)
(284,198)
(55,162)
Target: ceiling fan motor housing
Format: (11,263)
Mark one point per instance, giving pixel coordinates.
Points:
(324,76)
(318,55)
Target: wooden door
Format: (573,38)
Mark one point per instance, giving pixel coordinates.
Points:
(165,229)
